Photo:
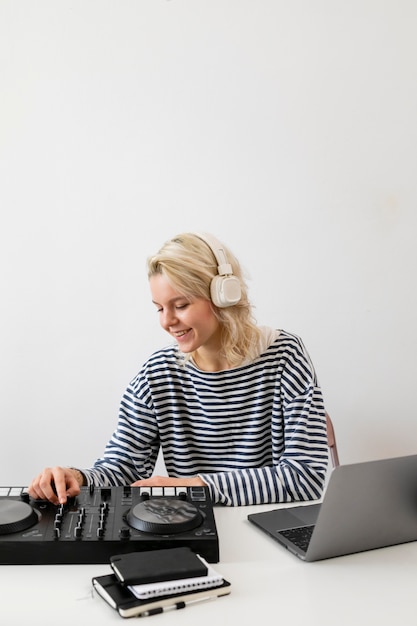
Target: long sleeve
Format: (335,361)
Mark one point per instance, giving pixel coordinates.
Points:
(132,450)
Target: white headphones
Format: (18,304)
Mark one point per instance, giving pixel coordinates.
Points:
(225,289)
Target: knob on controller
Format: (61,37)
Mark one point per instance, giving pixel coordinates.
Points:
(16,516)
(124,533)
(164,516)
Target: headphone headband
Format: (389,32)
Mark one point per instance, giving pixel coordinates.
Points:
(223,266)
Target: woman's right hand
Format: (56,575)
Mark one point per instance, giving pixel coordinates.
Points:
(56,484)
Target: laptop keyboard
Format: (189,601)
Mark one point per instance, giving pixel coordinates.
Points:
(299,536)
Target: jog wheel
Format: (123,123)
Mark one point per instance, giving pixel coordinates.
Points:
(164,516)
(16,516)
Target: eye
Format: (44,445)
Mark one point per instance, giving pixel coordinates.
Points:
(181,306)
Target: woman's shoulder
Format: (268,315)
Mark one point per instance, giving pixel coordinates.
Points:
(275,337)
(168,352)
(163,358)
(281,343)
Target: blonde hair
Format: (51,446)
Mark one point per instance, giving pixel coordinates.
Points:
(189,264)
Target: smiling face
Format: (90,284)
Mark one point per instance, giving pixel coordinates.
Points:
(192,323)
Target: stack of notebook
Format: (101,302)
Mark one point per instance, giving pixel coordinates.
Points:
(150,582)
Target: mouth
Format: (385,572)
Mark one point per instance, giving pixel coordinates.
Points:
(181,333)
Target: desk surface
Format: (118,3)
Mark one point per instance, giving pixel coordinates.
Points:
(375,587)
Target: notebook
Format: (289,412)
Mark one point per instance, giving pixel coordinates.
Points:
(119,597)
(171,587)
(152,566)
(366,506)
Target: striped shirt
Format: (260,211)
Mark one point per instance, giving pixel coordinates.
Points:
(254,434)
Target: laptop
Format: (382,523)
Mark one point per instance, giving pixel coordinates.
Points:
(365,506)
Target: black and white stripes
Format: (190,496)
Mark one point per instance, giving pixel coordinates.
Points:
(254,434)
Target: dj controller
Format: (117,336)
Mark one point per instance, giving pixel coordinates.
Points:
(103,521)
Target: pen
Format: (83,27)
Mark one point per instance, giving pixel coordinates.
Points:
(161,609)
(172,607)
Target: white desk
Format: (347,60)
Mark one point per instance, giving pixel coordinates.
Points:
(373,588)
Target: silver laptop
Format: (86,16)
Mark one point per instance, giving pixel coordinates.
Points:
(366,506)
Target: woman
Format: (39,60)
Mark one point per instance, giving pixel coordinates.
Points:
(232,405)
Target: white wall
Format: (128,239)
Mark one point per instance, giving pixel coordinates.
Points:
(288,129)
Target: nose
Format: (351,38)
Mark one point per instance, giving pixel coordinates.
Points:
(167,318)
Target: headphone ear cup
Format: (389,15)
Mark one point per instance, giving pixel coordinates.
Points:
(225,291)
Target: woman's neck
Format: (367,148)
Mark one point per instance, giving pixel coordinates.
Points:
(210,362)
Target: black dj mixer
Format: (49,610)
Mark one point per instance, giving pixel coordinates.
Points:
(103,521)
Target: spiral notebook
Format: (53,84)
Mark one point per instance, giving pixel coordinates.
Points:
(172,587)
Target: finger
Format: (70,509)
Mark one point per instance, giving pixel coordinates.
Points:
(60,485)
(72,484)
(34,491)
(47,486)
(64,484)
